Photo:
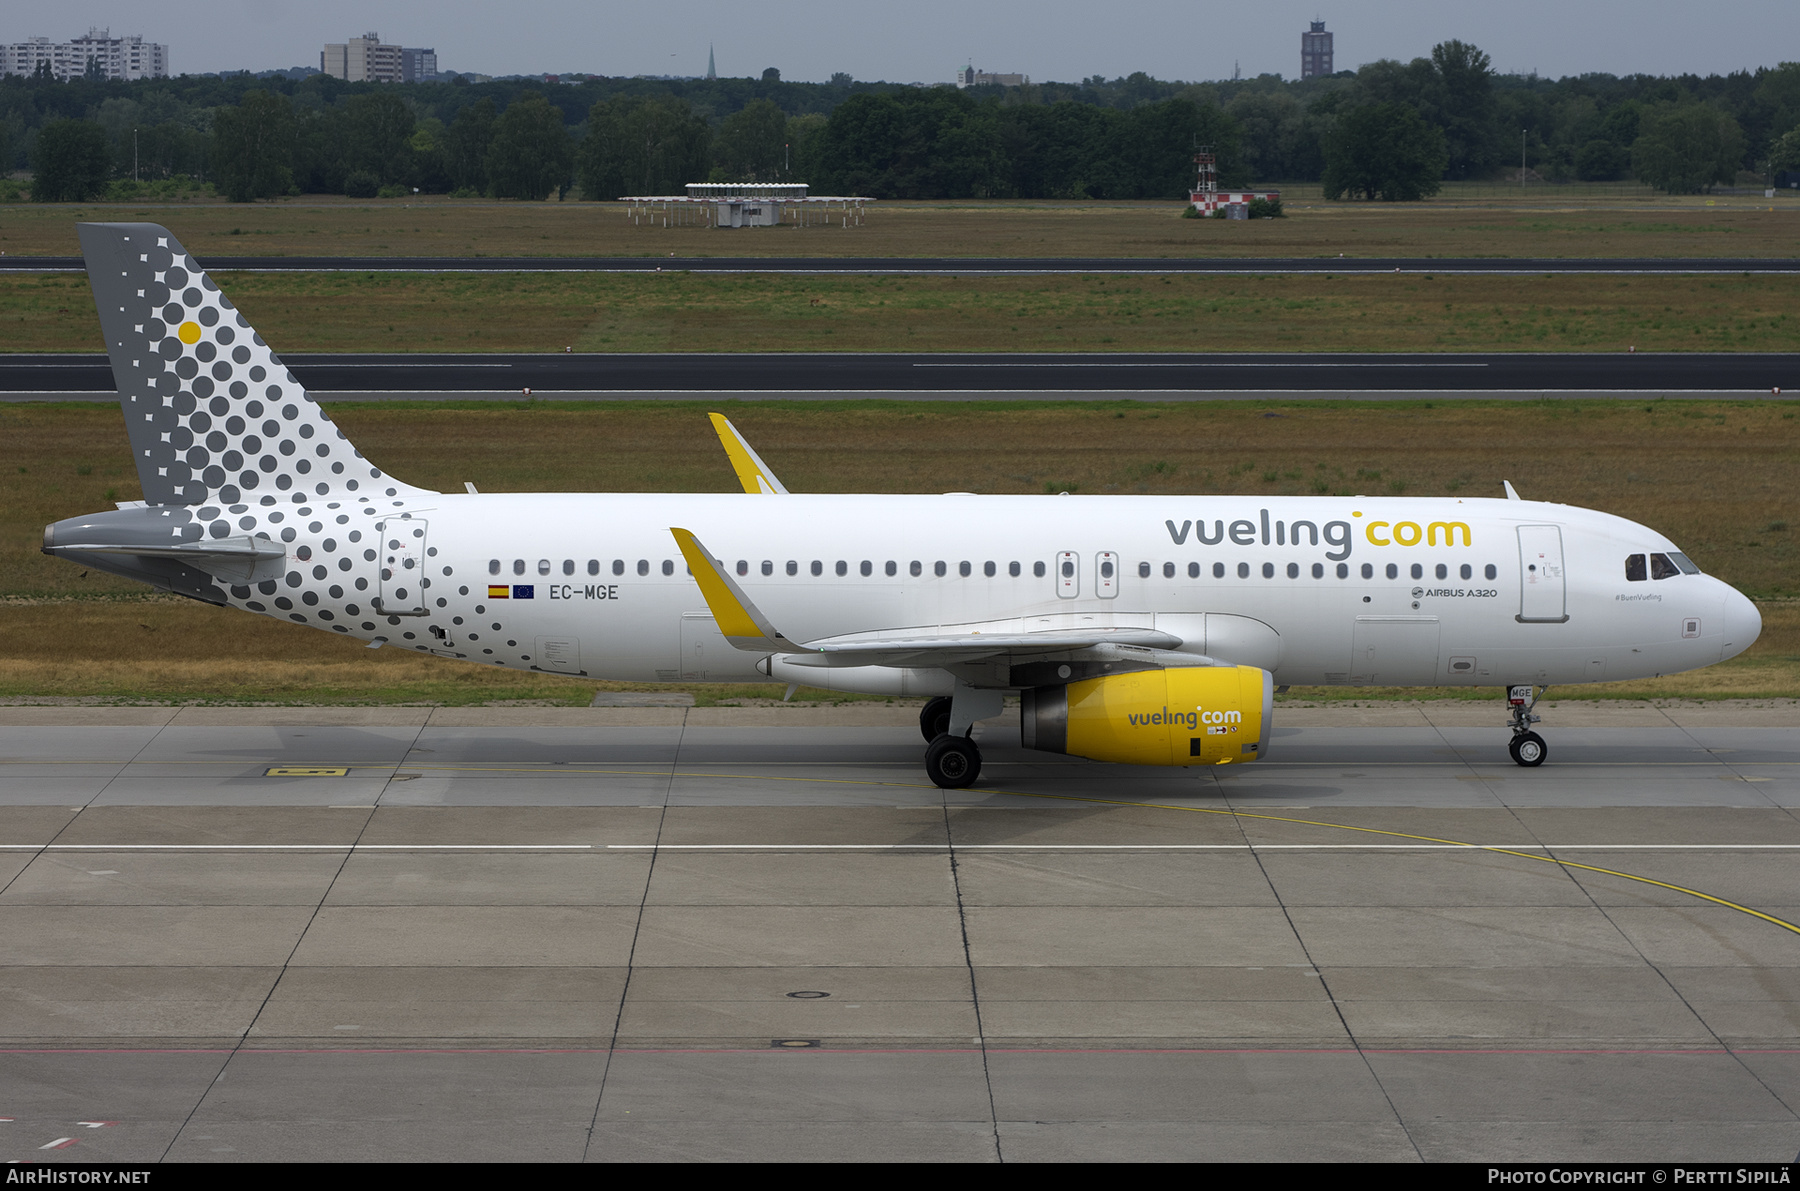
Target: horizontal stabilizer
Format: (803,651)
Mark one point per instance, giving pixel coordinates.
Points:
(237,560)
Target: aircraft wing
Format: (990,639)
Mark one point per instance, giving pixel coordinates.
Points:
(752,472)
(934,647)
(747,628)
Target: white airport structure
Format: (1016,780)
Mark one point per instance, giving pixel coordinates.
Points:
(745,204)
(367,59)
(1208,199)
(126,57)
(968,76)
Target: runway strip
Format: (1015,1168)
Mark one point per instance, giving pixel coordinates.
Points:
(972,376)
(960,266)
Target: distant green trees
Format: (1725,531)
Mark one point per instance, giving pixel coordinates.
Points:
(70,162)
(531,152)
(253,147)
(642,146)
(750,144)
(1385,151)
(1682,148)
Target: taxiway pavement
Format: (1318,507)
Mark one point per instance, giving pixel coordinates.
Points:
(648,932)
(975,376)
(962,266)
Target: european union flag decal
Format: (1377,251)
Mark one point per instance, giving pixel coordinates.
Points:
(523,591)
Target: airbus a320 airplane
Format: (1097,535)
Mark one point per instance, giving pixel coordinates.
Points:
(1148,630)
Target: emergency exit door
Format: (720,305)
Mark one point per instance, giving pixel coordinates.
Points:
(401,558)
(1543,586)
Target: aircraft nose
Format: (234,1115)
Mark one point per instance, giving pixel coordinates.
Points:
(1743,623)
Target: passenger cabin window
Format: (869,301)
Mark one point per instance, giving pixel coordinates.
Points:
(962,568)
(668,566)
(818,568)
(1634,569)
(1037,570)
(987,568)
(768,566)
(793,568)
(643,566)
(743,566)
(518,566)
(893,568)
(915,568)
(1168,569)
(867,568)
(1491,571)
(1012,568)
(543,566)
(939,569)
(1418,572)
(1393,571)
(568,566)
(618,566)
(593,566)
(843,568)
(493,566)
(1662,568)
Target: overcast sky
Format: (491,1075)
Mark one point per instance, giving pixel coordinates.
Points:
(926,40)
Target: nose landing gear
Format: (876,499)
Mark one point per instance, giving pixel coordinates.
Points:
(1527,747)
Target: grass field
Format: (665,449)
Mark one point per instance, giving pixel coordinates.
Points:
(610,312)
(1599,221)
(1720,478)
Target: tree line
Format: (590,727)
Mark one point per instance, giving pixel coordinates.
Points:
(1389,130)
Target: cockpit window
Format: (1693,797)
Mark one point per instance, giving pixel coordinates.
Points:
(1662,568)
(1634,568)
(1684,562)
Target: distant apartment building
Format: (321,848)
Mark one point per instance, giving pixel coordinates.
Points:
(128,57)
(366,59)
(1315,52)
(970,77)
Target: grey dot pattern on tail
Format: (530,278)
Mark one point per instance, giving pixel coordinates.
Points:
(214,414)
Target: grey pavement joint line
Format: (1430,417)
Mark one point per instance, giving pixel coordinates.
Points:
(637,930)
(1679,995)
(1336,1008)
(962,923)
(299,938)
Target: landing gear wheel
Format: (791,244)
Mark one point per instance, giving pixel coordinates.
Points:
(952,762)
(934,720)
(1528,749)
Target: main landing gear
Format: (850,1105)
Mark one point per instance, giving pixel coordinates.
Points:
(952,761)
(1527,747)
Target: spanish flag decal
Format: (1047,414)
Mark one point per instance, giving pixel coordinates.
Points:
(498,591)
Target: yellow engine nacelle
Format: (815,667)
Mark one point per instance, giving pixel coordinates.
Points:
(1212,715)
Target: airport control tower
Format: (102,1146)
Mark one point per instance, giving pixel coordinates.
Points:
(1315,52)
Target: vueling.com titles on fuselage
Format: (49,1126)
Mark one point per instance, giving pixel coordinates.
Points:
(1339,535)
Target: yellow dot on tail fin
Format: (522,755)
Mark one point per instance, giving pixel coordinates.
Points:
(189,332)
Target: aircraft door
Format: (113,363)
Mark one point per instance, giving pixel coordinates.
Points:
(1068,574)
(1106,574)
(707,657)
(1394,651)
(400,559)
(1543,595)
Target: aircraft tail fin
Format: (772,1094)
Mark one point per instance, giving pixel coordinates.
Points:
(213,414)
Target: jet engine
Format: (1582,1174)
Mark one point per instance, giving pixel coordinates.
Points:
(1192,715)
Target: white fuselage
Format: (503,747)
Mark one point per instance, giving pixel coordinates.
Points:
(1360,591)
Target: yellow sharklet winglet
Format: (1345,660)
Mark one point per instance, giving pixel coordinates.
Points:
(752,472)
(743,625)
